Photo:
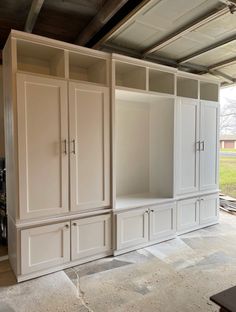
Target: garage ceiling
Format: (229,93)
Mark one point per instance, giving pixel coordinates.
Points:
(198,36)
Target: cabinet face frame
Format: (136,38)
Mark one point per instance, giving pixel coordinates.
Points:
(105,222)
(23,154)
(76,204)
(155,212)
(121,218)
(63,230)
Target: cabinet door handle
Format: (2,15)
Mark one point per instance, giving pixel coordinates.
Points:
(74,224)
(152,210)
(67,226)
(202,145)
(147,211)
(73,146)
(65,146)
(198,146)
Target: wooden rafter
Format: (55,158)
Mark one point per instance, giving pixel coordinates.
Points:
(33,15)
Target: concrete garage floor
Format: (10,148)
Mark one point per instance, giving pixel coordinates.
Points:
(175,276)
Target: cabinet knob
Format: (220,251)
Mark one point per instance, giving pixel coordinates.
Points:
(74,224)
(147,211)
(67,226)
(152,210)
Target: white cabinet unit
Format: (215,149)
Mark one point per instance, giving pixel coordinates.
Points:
(209,145)
(68,109)
(187,214)
(42,117)
(187,145)
(162,221)
(90,146)
(139,227)
(209,209)
(197,212)
(45,247)
(132,228)
(196,145)
(90,237)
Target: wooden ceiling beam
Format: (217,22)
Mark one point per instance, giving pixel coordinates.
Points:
(206,18)
(224,63)
(33,15)
(109,9)
(207,49)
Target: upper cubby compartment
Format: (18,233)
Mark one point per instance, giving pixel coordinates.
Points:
(160,81)
(40,59)
(87,68)
(130,76)
(187,87)
(209,91)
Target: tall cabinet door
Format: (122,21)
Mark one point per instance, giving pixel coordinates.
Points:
(209,145)
(187,146)
(42,109)
(90,146)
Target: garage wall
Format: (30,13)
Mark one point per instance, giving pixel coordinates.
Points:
(1,116)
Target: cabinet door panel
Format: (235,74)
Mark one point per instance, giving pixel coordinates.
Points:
(187,136)
(209,139)
(209,209)
(162,221)
(90,157)
(132,228)
(187,214)
(45,247)
(42,135)
(91,236)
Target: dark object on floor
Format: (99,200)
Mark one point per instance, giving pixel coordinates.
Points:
(226,300)
(227,203)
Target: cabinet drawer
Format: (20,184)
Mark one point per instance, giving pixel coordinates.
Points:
(188,214)
(209,209)
(90,236)
(162,221)
(45,247)
(132,228)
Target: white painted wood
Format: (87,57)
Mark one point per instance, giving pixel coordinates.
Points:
(90,236)
(187,214)
(44,247)
(209,209)
(209,147)
(187,138)
(132,228)
(162,221)
(89,146)
(42,145)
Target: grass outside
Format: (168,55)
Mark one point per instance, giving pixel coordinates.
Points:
(228,150)
(228,175)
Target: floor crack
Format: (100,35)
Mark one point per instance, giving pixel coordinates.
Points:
(80,292)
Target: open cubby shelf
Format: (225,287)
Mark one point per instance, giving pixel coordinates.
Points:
(208,91)
(145,134)
(130,76)
(162,82)
(187,87)
(87,68)
(40,59)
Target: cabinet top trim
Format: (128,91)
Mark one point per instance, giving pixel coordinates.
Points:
(57,44)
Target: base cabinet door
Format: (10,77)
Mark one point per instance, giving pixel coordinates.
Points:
(209,209)
(132,228)
(162,221)
(90,236)
(45,247)
(187,214)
